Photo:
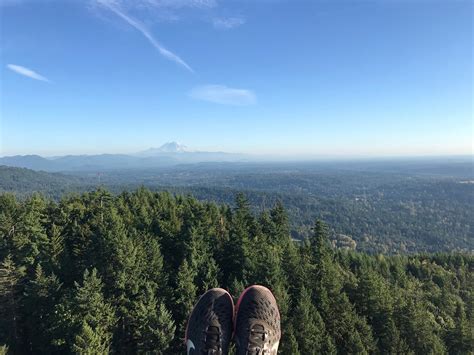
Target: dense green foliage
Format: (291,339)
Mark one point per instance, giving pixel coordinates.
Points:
(25,181)
(96,272)
(376,210)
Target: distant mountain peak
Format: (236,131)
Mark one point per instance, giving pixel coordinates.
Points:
(169,148)
(173,147)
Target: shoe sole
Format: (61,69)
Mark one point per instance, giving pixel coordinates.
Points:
(212,289)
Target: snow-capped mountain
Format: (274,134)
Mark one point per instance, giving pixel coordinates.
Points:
(171,147)
(168,154)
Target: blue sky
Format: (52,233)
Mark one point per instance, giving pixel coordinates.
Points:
(339,77)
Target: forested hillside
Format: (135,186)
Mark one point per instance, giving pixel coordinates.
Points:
(374,210)
(99,272)
(23,182)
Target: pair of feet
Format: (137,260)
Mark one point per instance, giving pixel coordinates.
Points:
(255,324)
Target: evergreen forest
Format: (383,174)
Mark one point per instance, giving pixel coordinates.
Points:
(98,272)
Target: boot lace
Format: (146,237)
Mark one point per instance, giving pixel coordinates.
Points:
(257,338)
(212,344)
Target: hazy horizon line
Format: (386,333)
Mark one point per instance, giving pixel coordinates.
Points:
(261,157)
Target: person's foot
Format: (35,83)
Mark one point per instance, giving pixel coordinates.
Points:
(257,322)
(209,328)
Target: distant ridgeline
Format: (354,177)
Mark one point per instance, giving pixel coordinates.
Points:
(98,272)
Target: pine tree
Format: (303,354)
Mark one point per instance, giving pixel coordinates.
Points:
(29,238)
(208,275)
(237,261)
(417,328)
(93,317)
(8,219)
(128,275)
(201,260)
(11,301)
(42,294)
(374,301)
(288,343)
(74,219)
(268,272)
(90,341)
(282,227)
(460,339)
(293,268)
(236,288)
(309,328)
(55,247)
(184,297)
(152,324)
(349,331)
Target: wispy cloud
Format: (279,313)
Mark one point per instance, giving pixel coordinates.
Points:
(227,23)
(222,94)
(114,6)
(26,72)
(177,3)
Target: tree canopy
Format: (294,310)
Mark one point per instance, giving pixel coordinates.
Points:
(98,272)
